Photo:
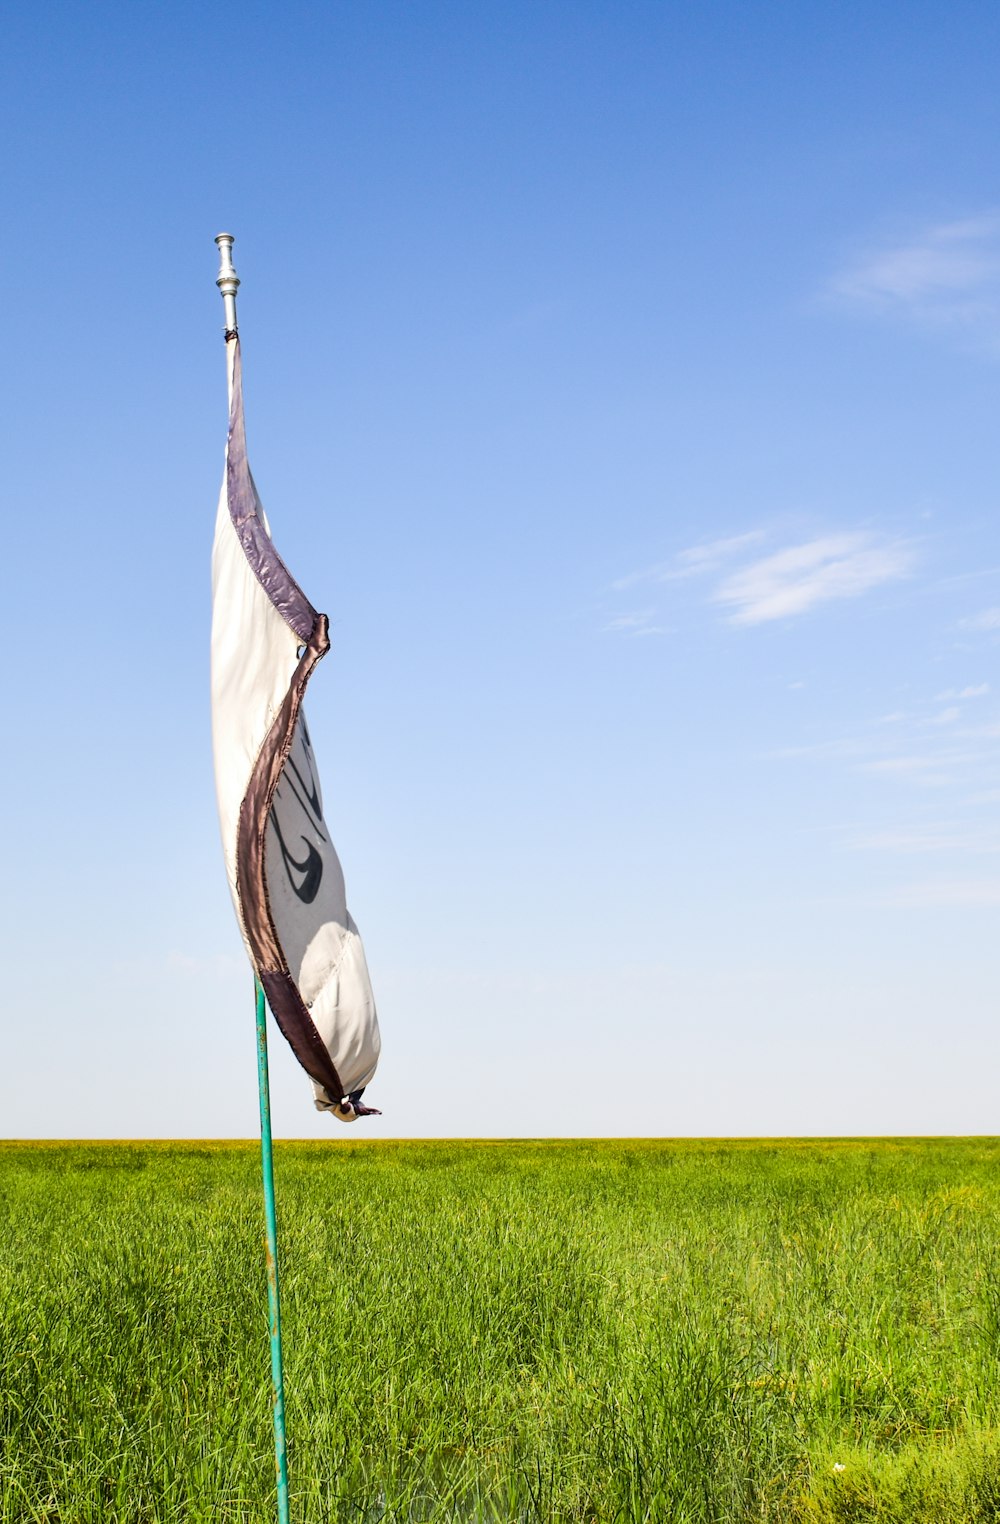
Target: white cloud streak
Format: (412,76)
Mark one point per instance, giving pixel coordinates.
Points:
(693,562)
(988,619)
(638,622)
(933,771)
(701,558)
(947,275)
(968,894)
(797,579)
(974,690)
(938,837)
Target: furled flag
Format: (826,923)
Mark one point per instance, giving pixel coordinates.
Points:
(285,877)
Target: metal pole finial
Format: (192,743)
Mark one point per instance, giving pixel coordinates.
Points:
(227,281)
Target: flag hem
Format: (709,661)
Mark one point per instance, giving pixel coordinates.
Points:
(263,559)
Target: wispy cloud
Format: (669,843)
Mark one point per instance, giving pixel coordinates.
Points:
(638,622)
(974,690)
(920,749)
(796,579)
(986,620)
(934,770)
(945,275)
(755,589)
(926,764)
(692,562)
(702,558)
(980,893)
(945,836)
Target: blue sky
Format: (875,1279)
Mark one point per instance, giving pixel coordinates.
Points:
(623,381)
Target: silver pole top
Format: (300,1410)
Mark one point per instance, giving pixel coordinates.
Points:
(227,281)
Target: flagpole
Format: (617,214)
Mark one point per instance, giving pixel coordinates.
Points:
(273,1288)
(228,282)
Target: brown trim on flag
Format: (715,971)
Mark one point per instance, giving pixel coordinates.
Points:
(287,1005)
(258,547)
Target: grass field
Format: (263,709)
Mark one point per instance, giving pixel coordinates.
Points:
(678,1332)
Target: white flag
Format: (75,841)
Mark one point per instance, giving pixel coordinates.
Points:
(286,879)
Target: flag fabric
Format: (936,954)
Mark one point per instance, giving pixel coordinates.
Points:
(286,880)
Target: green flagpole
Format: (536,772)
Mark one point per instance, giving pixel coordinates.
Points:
(271,1238)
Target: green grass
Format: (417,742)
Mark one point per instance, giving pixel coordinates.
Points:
(692,1333)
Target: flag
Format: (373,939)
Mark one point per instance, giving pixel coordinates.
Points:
(284,874)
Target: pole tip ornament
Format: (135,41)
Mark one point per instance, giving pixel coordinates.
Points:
(227,281)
